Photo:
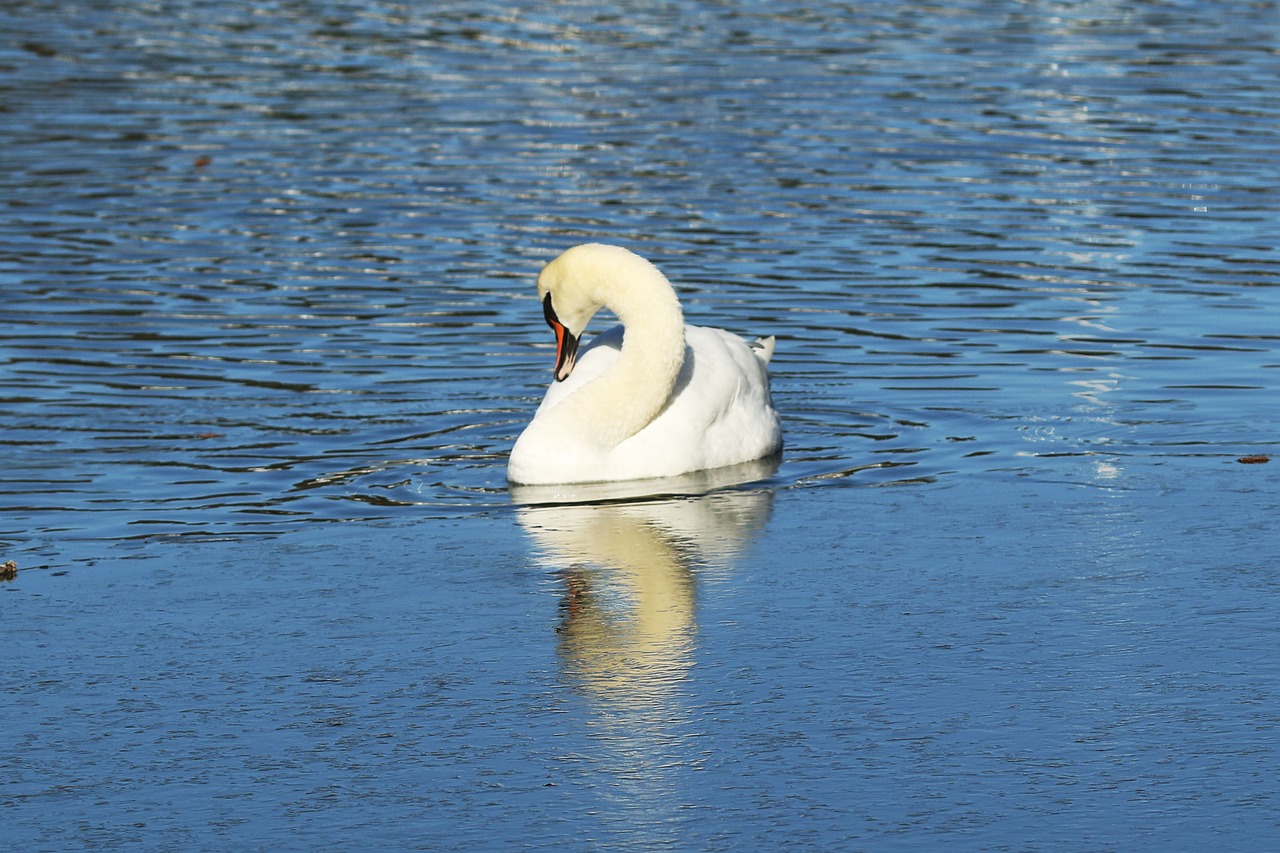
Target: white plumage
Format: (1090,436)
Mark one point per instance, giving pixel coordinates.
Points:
(650,398)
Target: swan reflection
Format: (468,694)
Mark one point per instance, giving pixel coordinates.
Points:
(629,573)
(627,608)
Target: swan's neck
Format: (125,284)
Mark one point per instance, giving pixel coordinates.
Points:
(630,394)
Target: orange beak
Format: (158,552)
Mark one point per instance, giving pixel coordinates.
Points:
(566,342)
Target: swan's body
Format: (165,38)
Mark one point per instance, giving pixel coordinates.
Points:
(652,398)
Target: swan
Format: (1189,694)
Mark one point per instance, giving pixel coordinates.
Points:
(650,398)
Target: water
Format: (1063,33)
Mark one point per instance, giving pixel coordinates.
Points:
(270,330)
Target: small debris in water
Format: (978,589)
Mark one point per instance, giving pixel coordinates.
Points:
(8,571)
(1254,460)
(39,49)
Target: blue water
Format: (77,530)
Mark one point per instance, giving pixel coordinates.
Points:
(269,330)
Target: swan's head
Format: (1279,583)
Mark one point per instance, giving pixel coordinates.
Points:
(573,288)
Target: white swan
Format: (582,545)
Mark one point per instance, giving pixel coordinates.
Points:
(657,400)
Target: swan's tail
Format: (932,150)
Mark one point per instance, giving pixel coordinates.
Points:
(763,348)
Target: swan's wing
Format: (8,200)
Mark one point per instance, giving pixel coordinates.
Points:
(720,412)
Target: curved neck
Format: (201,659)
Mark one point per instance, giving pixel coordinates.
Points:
(634,390)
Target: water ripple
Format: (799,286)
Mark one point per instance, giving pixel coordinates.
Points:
(263,268)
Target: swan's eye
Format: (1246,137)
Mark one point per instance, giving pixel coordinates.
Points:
(549,312)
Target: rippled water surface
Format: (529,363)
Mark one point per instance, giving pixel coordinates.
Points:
(269,331)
